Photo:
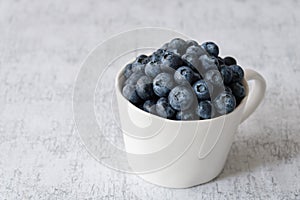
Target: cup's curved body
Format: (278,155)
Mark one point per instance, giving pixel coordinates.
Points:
(180,154)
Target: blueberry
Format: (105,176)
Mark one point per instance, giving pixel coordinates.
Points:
(162,84)
(140,105)
(154,58)
(226,74)
(138,67)
(133,78)
(160,52)
(183,62)
(238,90)
(237,73)
(128,70)
(129,92)
(228,89)
(165,46)
(172,60)
(181,97)
(186,115)
(177,46)
(208,62)
(141,59)
(220,61)
(229,61)
(164,109)
(191,43)
(191,60)
(205,110)
(224,103)
(144,88)
(211,48)
(184,75)
(149,106)
(166,68)
(157,56)
(214,77)
(202,89)
(196,51)
(139,64)
(152,69)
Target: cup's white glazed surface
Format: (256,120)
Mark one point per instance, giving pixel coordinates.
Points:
(180,154)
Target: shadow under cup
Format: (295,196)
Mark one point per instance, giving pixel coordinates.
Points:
(176,154)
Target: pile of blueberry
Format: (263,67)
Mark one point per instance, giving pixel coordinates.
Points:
(184,81)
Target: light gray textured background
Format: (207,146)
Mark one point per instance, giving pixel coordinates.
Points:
(42,44)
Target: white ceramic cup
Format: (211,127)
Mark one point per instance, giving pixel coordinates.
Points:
(180,154)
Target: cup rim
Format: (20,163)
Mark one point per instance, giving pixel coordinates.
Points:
(118,89)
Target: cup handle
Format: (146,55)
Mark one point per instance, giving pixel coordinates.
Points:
(256,94)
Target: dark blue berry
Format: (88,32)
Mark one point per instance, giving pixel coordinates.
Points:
(181,97)
(184,75)
(177,46)
(211,48)
(149,106)
(139,64)
(162,84)
(128,70)
(220,61)
(208,63)
(191,43)
(164,109)
(202,89)
(138,67)
(196,51)
(205,110)
(140,105)
(186,115)
(129,92)
(229,61)
(165,46)
(160,52)
(191,60)
(214,77)
(157,55)
(224,103)
(228,89)
(152,69)
(142,59)
(144,88)
(172,60)
(166,68)
(226,74)
(216,82)
(134,77)
(238,90)
(237,73)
